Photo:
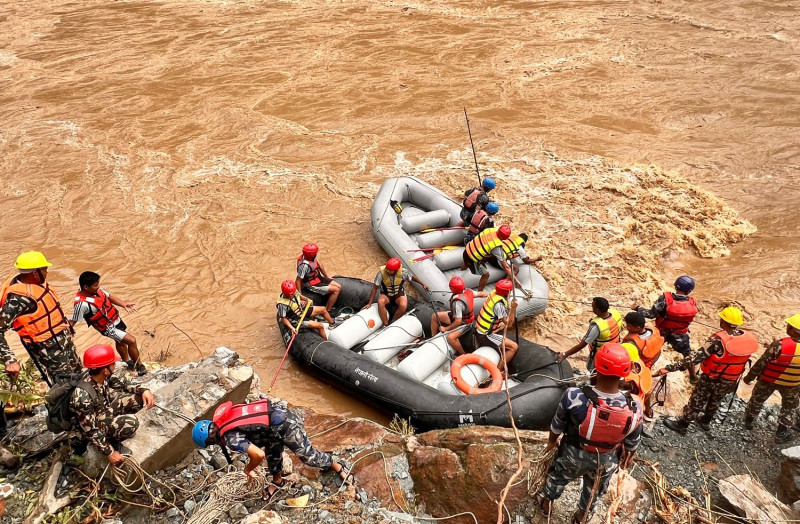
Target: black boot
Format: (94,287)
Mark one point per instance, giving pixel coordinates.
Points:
(749,422)
(704,423)
(783,434)
(677,424)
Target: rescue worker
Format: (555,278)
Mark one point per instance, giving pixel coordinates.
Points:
(488,244)
(104,404)
(595,421)
(604,328)
(311,276)
(514,251)
(471,199)
(391,279)
(292,306)
(96,306)
(492,321)
(482,219)
(674,313)
(30,306)
(645,345)
(461,313)
(722,360)
(261,429)
(778,369)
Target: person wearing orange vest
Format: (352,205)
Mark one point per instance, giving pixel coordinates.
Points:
(311,276)
(604,328)
(391,280)
(474,197)
(778,369)
(261,429)
(722,361)
(96,307)
(646,344)
(462,313)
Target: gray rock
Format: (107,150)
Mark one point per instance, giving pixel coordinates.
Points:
(188,507)
(218,460)
(238,512)
(172,512)
(225,355)
(324,514)
(31,434)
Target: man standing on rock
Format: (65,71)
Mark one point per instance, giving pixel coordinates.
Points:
(778,369)
(261,429)
(722,361)
(595,422)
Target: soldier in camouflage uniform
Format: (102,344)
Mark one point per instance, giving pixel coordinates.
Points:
(103,404)
(31,307)
(778,369)
(260,440)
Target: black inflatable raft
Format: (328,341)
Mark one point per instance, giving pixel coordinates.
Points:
(534,372)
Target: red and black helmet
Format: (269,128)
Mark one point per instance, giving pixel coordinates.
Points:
(504,232)
(613,360)
(99,356)
(503,287)
(288,287)
(310,250)
(394,264)
(457,285)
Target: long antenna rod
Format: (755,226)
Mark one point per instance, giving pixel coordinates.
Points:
(474,156)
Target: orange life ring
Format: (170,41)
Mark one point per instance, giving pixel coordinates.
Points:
(471,358)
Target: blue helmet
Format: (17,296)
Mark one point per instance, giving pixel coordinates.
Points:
(200,433)
(488,183)
(492,208)
(684,283)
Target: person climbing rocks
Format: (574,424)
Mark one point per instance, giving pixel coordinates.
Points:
(311,276)
(645,345)
(31,307)
(778,369)
(461,313)
(494,318)
(391,280)
(471,199)
(604,328)
(104,404)
(595,422)
(674,314)
(96,306)
(261,430)
(488,244)
(482,218)
(722,362)
(292,309)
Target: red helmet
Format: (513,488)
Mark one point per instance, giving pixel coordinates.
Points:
(99,356)
(394,264)
(504,232)
(613,360)
(457,285)
(310,250)
(503,287)
(288,287)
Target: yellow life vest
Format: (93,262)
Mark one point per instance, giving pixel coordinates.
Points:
(487,320)
(482,245)
(609,329)
(294,303)
(392,284)
(512,245)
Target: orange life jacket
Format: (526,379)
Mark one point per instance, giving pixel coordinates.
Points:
(314,276)
(736,353)
(472,198)
(106,313)
(605,427)
(43,324)
(649,348)
(481,246)
(468,298)
(229,416)
(680,313)
(785,370)
(479,220)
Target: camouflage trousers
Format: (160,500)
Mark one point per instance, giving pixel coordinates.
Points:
(679,342)
(706,398)
(573,463)
(292,434)
(119,422)
(56,357)
(790,399)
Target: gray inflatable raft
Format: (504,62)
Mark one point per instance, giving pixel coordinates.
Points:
(403,235)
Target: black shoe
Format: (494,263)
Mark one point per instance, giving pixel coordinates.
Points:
(783,435)
(705,425)
(749,422)
(676,424)
(141,370)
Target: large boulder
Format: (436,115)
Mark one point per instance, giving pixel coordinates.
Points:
(752,501)
(789,486)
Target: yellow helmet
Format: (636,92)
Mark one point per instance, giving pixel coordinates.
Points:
(794,321)
(732,315)
(31,260)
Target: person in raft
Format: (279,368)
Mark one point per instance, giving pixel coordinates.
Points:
(96,306)
(292,311)
(391,279)
(261,429)
(492,320)
(488,244)
(461,313)
(482,219)
(471,196)
(312,276)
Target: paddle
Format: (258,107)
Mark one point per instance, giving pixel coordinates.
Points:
(442,229)
(289,346)
(435,251)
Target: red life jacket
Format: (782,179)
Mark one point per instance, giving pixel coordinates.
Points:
(106,313)
(478,222)
(605,427)
(736,353)
(680,313)
(468,298)
(472,198)
(314,277)
(785,370)
(229,416)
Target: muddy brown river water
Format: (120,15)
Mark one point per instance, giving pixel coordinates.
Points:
(186,150)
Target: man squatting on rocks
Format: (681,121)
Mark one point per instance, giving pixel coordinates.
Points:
(104,404)
(601,428)
(778,369)
(261,429)
(31,308)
